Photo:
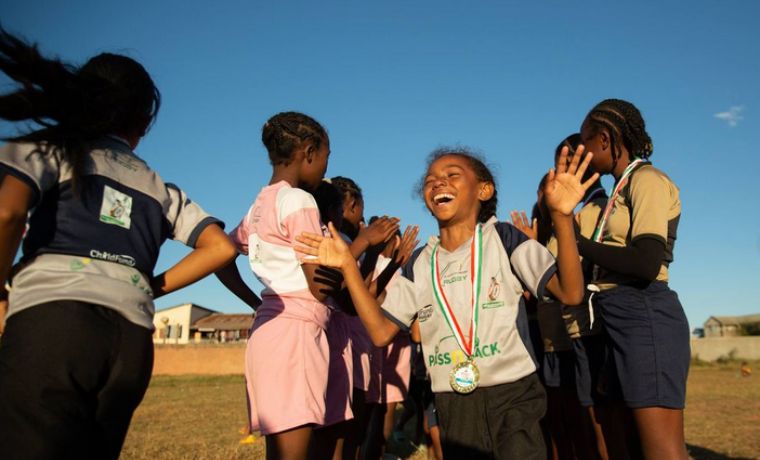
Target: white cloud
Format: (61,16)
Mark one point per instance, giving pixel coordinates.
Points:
(731,116)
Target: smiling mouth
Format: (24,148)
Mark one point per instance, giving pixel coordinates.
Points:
(442,198)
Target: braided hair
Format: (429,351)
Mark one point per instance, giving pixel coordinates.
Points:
(625,125)
(70,107)
(347,187)
(482,172)
(286,131)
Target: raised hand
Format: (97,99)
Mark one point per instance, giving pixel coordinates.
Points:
(328,251)
(520,220)
(564,189)
(406,245)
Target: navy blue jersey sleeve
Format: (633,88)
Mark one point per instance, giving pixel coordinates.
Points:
(531,262)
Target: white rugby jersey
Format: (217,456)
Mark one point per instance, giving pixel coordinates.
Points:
(511,263)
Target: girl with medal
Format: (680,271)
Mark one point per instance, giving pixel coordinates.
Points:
(631,248)
(464,292)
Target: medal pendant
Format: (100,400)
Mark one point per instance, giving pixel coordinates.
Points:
(464,377)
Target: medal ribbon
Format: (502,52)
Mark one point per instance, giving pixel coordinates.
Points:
(476,254)
(599,232)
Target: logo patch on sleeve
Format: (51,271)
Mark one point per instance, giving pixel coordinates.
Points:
(116,208)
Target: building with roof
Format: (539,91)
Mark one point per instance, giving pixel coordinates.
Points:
(732,326)
(220,327)
(191,323)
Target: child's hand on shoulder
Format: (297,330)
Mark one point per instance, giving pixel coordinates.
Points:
(328,251)
(564,189)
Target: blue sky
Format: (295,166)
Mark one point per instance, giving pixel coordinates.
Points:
(393,80)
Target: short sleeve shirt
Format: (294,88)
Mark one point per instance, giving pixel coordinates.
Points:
(511,263)
(576,318)
(267,234)
(100,244)
(648,206)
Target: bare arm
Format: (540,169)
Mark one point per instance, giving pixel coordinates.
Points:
(15,199)
(213,251)
(230,277)
(564,190)
(567,283)
(333,252)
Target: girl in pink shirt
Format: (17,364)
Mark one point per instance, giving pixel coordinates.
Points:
(287,356)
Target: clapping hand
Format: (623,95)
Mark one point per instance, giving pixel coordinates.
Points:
(328,251)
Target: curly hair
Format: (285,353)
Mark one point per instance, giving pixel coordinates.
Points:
(478,165)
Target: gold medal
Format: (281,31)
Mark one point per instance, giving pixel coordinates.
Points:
(464,377)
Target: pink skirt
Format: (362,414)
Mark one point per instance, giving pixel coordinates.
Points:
(361,347)
(368,361)
(286,364)
(340,378)
(397,368)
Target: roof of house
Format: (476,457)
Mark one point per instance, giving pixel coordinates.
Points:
(184,305)
(224,322)
(736,320)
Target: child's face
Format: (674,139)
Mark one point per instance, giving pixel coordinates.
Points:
(452,191)
(598,144)
(353,211)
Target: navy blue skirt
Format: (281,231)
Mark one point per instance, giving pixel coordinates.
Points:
(649,344)
(590,357)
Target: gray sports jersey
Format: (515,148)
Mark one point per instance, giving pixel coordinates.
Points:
(101,245)
(511,263)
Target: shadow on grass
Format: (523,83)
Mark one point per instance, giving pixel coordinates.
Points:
(701,453)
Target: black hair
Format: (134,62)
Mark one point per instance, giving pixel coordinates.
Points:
(478,165)
(286,131)
(544,224)
(625,125)
(70,106)
(327,196)
(347,187)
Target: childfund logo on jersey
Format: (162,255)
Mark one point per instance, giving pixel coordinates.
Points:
(458,356)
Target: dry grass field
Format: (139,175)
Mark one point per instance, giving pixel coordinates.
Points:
(198,417)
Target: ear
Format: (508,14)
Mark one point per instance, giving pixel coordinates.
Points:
(486,191)
(604,139)
(309,150)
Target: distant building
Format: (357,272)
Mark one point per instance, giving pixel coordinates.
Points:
(189,322)
(731,326)
(221,327)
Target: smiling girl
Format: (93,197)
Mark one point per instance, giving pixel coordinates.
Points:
(464,292)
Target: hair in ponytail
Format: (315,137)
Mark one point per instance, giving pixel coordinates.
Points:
(68,107)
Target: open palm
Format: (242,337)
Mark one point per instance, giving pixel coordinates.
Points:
(564,189)
(330,252)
